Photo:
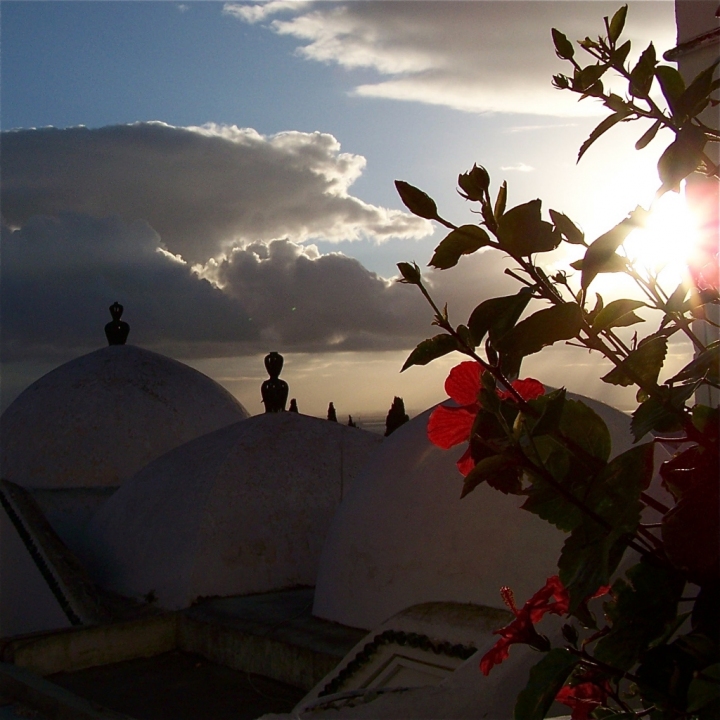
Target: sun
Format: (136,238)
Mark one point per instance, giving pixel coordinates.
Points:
(664,246)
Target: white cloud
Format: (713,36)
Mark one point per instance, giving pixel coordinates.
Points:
(203,189)
(472,56)
(261,11)
(512,129)
(518,167)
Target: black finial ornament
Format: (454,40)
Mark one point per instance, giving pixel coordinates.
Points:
(332,415)
(116,331)
(396,416)
(274,391)
(293,406)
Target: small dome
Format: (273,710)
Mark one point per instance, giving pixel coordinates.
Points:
(98,419)
(242,510)
(402,536)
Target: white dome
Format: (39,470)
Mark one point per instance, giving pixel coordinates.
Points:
(402,536)
(241,510)
(98,419)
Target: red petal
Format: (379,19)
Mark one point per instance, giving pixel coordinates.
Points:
(495,656)
(582,698)
(602,590)
(463,383)
(539,603)
(466,463)
(529,388)
(449,426)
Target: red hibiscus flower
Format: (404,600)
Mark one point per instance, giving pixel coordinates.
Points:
(449,426)
(522,628)
(583,698)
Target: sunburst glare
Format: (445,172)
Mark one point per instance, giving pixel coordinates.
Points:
(664,246)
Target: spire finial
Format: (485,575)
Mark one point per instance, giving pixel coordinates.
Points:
(116,330)
(274,391)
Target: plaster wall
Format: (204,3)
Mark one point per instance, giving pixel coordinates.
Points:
(242,510)
(26,603)
(98,419)
(403,536)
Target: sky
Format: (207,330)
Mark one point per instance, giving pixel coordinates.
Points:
(225,171)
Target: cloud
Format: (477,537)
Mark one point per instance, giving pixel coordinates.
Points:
(532,128)
(203,189)
(61,273)
(518,167)
(471,56)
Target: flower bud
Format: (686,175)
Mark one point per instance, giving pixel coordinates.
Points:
(416,201)
(410,273)
(475,183)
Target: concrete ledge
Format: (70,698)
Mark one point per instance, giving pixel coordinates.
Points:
(76,649)
(261,655)
(21,685)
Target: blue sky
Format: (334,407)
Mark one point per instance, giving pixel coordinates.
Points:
(256,145)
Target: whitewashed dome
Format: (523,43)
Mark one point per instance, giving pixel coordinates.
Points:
(403,536)
(98,419)
(241,510)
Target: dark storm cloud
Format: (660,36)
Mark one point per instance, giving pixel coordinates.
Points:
(61,273)
(202,189)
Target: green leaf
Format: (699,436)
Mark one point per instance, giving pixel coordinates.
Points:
(593,552)
(410,273)
(652,415)
(497,316)
(639,612)
(522,232)
(584,428)
(588,558)
(587,77)
(500,202)
(602,128)
(599,305)
(416,201)
(618,313)
(581,424)
(567,227)
(671,84)
(681,158)
(620,55)
(705,366)
(641,76)
(601,257)
(431,349)
(615,263)
(466,240)
(676,301)
(642,366)
(563,47)
(617,24)
(546,679)
(499,471)
(551,407)
(695,97)
(648,136)
(704,688)
(545,327)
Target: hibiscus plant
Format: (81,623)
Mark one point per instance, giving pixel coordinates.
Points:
(654,652)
